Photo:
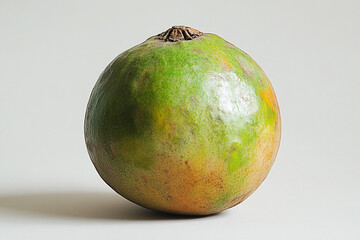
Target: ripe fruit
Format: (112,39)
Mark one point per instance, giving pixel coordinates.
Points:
(184,122)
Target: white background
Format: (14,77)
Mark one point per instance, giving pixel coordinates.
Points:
(51,54)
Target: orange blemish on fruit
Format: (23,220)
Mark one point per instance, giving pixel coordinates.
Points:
(268,97)
(179,185)
(226,64)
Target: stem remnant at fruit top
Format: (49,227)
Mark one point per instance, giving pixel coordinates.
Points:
(179,33)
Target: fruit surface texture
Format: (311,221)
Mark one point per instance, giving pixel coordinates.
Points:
(184,122)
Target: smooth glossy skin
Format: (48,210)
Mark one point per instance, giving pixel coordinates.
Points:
(189,127)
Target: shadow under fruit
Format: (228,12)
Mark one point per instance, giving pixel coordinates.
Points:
(184,122)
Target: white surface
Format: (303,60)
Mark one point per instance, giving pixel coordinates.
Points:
(51,53)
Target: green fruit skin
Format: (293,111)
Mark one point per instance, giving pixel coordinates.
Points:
(188,127)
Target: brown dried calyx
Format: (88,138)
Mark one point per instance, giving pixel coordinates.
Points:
(179,33)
